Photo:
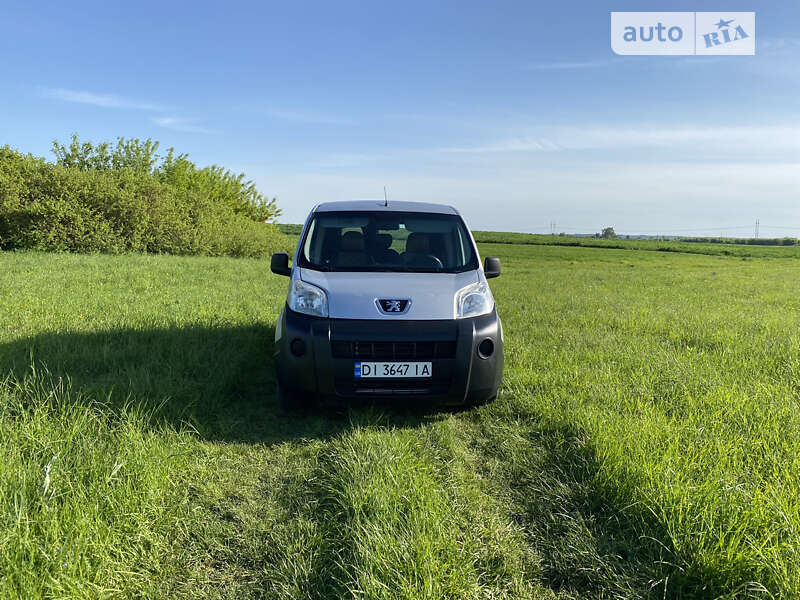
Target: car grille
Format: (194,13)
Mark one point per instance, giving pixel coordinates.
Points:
(393,350)
(394,387)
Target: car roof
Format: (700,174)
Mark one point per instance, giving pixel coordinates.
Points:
(374,205)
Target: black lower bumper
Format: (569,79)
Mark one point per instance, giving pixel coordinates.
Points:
(315,357)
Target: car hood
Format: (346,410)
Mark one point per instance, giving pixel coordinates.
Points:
(354,295)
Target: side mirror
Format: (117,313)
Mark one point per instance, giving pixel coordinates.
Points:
(491,267)
(280,264)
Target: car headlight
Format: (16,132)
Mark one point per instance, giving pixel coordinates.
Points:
(307,299)
(474,300)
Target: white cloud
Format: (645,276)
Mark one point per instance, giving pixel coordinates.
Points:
(306,116)
(174,123)
(598,138)
(339,160)
(181,124)
(778,46)
(101,100)
(523,144)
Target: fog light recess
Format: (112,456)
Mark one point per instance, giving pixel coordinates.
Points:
(298,347)
(486,348)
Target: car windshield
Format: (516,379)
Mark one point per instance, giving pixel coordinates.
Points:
(387,241)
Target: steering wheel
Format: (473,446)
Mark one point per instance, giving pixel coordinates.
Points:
(428,260)
(436,260)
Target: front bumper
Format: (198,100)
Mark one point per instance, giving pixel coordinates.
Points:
(314,357)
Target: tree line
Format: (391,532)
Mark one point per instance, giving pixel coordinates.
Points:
(126,197)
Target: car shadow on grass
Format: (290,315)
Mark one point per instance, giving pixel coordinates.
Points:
(217,379)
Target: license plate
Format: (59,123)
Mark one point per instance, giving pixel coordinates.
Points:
(392,370)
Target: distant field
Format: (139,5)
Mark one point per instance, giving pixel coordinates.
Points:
(646,442)
(729,248)
(712,249)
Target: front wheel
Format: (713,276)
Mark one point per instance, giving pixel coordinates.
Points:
(288,401)
(480,402)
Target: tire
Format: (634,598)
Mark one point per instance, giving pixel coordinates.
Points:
(481,402)
(287,401)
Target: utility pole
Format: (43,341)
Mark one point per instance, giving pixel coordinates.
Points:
(756,236)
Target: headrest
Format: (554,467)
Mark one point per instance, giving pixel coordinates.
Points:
(352,241)
(418,243)
(384,240)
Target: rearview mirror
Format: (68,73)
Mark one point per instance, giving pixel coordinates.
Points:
(491,267)
(280,264)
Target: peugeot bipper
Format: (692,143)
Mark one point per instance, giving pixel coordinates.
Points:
(387,301)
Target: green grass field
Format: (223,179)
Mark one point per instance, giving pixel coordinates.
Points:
(726,248)
(646,441)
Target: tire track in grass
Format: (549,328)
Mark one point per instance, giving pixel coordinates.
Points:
(405,517)
(590,542)
(378,511)
(592,527)
(257,531)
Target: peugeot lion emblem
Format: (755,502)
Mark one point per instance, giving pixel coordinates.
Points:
(393,306)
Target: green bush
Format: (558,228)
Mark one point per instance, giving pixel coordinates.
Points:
(291,228)
(128,199)
(785,241)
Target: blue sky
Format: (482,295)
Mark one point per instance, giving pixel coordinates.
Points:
(517,113)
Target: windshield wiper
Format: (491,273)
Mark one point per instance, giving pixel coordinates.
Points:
(401,269)
(378,269)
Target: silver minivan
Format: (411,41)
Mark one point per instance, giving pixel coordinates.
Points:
(387,301)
